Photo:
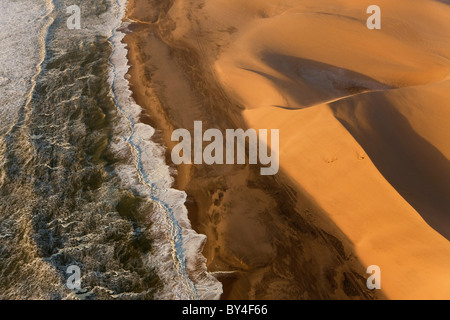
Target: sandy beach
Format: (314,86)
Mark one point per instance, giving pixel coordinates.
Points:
(364,155)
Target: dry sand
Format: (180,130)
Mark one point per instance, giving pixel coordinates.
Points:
(364,130)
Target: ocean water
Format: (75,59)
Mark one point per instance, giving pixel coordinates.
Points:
(81,181)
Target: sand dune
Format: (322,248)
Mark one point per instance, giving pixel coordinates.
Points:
(363,116)
(404,132)
(338,173)
(320,50)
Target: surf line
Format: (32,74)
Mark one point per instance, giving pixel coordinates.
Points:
(173,227)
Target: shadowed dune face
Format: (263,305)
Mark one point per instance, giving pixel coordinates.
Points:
(314,42)
(293,76)
(416,168)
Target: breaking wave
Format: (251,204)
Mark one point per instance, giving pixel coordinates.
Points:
(81,181)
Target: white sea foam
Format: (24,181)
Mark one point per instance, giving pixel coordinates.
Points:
(23,24)
(178,248)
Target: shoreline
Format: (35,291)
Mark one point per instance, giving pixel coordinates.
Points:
(253,224)
(169,216)
(178,244)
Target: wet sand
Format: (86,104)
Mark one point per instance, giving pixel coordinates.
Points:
(266,236)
